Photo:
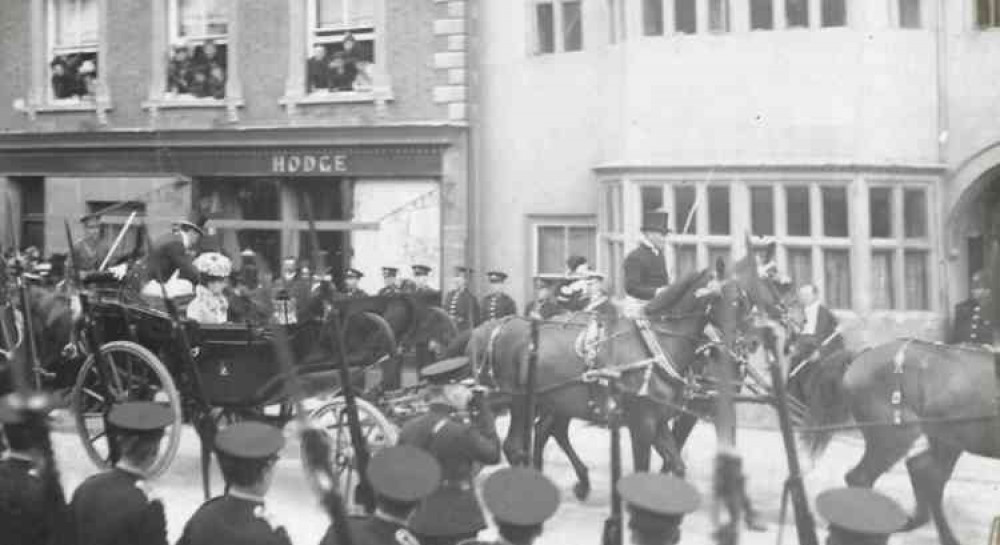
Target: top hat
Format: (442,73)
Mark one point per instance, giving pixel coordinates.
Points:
(403,473)
(520,496)
(196,220)
(250,440)
(657,221)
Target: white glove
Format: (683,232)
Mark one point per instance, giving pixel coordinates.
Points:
(119,270)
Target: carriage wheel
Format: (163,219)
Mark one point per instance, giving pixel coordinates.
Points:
(370,335)
(135,375)
(378,431)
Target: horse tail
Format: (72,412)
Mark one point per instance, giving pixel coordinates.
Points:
(827,401)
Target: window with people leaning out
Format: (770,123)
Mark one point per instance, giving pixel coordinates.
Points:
(198,52)
(73,41)
(342,46)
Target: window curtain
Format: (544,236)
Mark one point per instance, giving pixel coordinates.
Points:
(916,280)
(882,280)
(800,266)
(837,270)
(687,260)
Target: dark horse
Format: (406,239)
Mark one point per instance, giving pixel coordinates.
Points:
(650,399)
(948,394)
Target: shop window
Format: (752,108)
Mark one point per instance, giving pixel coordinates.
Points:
(837,276)
(686,16)
(834,13)
(797,13)
(545,28)
(910,15)
(718,210)
(572,25)
(762,210)
(718,15)
(798,211)
(341,45)
(988,13)
(32,195)
(761,14)
(198,58)
(835,218)
(685,214)
(652,17)
(880,212)
(73,43)
(554,244)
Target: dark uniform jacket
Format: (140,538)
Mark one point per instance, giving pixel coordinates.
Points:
(373,530)
(27,516)
(352,293)
(228,520)
(167,256)
(452,510)
(391,289)
(972,323)
(496,306)
(463,309)
(111,508)
(645,272)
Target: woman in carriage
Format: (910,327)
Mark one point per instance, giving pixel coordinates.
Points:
(210,305)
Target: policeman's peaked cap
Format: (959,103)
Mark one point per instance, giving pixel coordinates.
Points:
(520,496)
(140,416)
(250,440)
(861,510)
(403,473)
(446,371)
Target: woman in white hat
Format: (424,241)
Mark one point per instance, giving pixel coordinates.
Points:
(210,305)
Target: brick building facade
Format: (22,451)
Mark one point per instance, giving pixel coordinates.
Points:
(246,109)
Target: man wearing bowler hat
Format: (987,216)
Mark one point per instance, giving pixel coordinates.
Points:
(459,303)
(248,452)
(452,513)
(400,476)
(859,516)
(520,500)
(657,504)
(497,303)
(118,506)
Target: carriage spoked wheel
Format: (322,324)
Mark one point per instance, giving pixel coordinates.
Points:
(134,374)
(377,430)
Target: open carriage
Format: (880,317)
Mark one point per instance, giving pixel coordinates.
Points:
(213,375)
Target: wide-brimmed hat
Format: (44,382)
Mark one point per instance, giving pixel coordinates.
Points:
(196,220)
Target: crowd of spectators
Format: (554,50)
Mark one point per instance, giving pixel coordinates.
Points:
(336,69)
(74,75)
(198,70)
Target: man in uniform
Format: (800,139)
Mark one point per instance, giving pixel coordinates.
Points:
(172,254)
(286,291)
(452,513)
(390,275)
(118,506)
(520,500)
(972,316)
(92,248)
(859,516)
(645,267)
(497,303)
(32,505)
(351,279)
(400,476)
(459,303)
(657,503)
(545,304)
(248,452)
(421,279)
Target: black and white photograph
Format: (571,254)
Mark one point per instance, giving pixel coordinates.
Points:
(499,272)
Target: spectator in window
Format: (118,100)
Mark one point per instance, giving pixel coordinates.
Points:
(340,78)
(62,82)
(179,74)
(199,84)
(217,82)
(213,55)
(87,79)
(316,68)
(349,46)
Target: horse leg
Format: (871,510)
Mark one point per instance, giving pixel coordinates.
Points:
(513,445)
(560,431)
(543,430)
(929,473)
(669,450)
(683,425)
(884,447)
(642,430)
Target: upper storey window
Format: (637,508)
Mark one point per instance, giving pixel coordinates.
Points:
(72,44)
(988,13)
(558,26)
(341,44)
(832,13)
(910,15)
(198,31)
(684,15)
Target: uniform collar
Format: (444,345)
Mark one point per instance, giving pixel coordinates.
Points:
(245,496)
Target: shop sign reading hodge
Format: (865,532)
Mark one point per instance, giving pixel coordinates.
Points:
(293,163)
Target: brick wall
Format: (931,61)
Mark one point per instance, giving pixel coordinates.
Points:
(412,48)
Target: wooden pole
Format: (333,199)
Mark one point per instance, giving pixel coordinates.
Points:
(530,397)
(613,525)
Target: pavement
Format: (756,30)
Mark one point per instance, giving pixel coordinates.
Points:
(972,498)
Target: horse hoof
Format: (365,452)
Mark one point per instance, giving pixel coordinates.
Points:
(581,491)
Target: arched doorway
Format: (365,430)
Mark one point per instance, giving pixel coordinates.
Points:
(973,209)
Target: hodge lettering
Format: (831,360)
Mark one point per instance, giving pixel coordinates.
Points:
(291,164)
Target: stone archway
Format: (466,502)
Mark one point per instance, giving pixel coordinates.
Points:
(973,194)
